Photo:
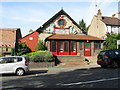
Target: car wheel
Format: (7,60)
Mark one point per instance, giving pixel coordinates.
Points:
(115,64)
(20,72)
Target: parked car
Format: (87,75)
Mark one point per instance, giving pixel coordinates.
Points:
(109,58)
(14,64)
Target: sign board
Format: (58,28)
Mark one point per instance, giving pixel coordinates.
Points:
(62,31)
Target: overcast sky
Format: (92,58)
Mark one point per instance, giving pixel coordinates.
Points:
(26,14)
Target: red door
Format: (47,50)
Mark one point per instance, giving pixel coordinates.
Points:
(63,48)
(73,50)
(87,49)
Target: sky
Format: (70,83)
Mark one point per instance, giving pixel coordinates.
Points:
(27,14)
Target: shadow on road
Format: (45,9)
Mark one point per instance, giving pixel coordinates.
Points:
(31,72)
(57,80)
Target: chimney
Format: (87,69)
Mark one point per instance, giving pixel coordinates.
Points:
(99,11)
(99,14)
(30,31)
(113,15)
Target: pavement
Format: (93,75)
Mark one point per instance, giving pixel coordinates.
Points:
(57,69)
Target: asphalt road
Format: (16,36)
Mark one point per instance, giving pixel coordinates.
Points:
(79,78)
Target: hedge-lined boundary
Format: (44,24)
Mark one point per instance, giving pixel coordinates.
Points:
(39,56)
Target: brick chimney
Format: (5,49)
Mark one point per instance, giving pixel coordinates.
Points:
(30,31)
(99,14)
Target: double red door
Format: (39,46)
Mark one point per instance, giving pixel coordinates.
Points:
(64,48)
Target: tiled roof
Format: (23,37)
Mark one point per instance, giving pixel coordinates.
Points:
(9,36)
(111,20)
(74,37)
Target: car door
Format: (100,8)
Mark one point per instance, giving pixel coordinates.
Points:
(10,65)
(2,65)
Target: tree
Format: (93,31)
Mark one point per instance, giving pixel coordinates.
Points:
(111,41)
(40,46)
(22,48)
(82,24)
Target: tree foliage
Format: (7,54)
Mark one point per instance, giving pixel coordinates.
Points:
(111,41)
(40,46)
(22,48)
(82,24)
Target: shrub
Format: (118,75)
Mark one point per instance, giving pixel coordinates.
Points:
(48,57)
(40,46)
(37,52)
(111,41)
(22,49)
(41,56)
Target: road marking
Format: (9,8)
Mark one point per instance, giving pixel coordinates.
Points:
(87,82)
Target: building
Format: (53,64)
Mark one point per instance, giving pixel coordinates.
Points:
(101,25)
(8,39)
(31,39)
(63,36)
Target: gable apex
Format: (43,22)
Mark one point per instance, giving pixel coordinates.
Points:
(61,12)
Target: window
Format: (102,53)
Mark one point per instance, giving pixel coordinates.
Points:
(97,44)
(53,47)
(66,46)
(19,59)
(61,22)
(61,46)
(73,46)
(11,60)
(2,60)
(80,45)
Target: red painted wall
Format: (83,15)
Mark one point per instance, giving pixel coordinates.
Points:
(31,40)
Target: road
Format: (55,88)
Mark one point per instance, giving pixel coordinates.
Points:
(79,78)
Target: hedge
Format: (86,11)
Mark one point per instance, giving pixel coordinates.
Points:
(40,56)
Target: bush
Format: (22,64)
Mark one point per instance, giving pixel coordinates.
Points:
(111,41)
(22,49)
(40,46)
(37,52)
(48,57)
(41,56)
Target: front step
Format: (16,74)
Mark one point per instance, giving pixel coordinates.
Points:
(71,61)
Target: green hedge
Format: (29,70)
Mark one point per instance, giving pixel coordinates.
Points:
(40,56)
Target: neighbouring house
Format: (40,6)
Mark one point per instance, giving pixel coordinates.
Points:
(31,39)
(63,36)
(8,39)
(101,25)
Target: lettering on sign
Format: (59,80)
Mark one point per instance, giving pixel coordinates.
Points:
(62,31)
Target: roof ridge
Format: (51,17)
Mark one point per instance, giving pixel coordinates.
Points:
(111,17)
(97,37)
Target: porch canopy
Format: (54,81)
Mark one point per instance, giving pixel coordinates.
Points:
(69,44)
(73,37)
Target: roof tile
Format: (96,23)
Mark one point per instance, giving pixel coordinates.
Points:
(74,37)
(111,20)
